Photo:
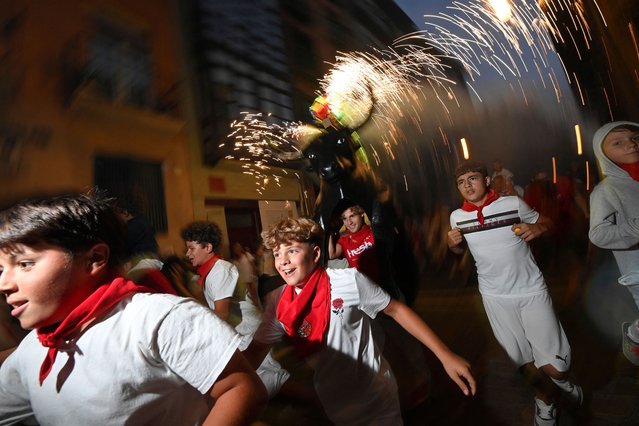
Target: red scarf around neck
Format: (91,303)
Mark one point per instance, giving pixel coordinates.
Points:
(470,207)
(305,315)
(632,169)
(100,301)
(204,269)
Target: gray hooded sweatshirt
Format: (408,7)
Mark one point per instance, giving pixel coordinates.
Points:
(614,212)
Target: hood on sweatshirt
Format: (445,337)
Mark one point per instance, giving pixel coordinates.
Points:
(606,165)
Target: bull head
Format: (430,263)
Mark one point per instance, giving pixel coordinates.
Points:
(332,155)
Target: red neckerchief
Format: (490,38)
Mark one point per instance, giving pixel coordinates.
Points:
(305,315)
(632,169)
(470,207)
(155,279)
(100,301)
(204,269)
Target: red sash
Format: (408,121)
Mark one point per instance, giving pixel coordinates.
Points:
(100,301)
(470,207)
(305,315)
(204,269)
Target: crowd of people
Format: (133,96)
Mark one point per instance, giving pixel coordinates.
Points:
(191,340)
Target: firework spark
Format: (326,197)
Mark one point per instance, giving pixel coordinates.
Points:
(512,38)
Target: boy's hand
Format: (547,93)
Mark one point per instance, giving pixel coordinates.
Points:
(458,369)
(455,238)
(528,231)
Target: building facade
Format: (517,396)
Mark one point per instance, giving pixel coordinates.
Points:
(89,95)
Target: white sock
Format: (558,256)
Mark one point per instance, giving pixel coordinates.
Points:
(564,385)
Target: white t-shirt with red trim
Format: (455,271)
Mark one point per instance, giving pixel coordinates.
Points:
(505,264)
(353,381)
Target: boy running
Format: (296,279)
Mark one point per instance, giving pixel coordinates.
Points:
(327,315)
(514,293)
(105,350)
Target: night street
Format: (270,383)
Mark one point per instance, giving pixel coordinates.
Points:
(610,382)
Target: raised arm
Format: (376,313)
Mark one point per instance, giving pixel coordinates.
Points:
(457,368)
(334,248)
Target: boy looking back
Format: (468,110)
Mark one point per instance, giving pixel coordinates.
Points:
(327,315)
(614,205)
(105,350)
(514,293)
(357,244)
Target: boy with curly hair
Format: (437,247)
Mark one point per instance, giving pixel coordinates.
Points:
(216,276)
(327,315)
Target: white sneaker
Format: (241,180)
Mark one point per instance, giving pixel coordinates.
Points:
(545,414)
(576,396)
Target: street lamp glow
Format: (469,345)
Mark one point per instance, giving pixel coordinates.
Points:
(465,148)
(578,134)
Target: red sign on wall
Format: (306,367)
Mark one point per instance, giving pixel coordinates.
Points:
(217,184)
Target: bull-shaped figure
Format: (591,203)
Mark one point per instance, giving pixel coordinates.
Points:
(345,179)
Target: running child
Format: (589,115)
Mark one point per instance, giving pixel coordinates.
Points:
(514,293)
(104,350)
(327,315)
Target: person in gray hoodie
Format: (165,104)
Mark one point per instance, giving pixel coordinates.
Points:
(614,202)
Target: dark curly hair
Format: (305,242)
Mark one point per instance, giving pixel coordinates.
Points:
(72,222)
(203,233)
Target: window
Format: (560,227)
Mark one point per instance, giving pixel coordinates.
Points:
(119,64)
(139,183)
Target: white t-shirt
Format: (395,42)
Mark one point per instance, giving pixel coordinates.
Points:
(220,282)
(246,268)
(152,360)
(505,265)
(353,381)
(503,172)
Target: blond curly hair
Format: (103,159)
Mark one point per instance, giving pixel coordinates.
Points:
(290,230)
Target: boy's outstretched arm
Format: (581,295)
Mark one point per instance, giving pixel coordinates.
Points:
(238,393)
(456,367)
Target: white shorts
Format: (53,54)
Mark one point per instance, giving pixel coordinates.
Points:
(528,330)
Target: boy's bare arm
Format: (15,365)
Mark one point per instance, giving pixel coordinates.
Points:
(455,241)
(334,249)
(238,393)
(222,308)
(456,367)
